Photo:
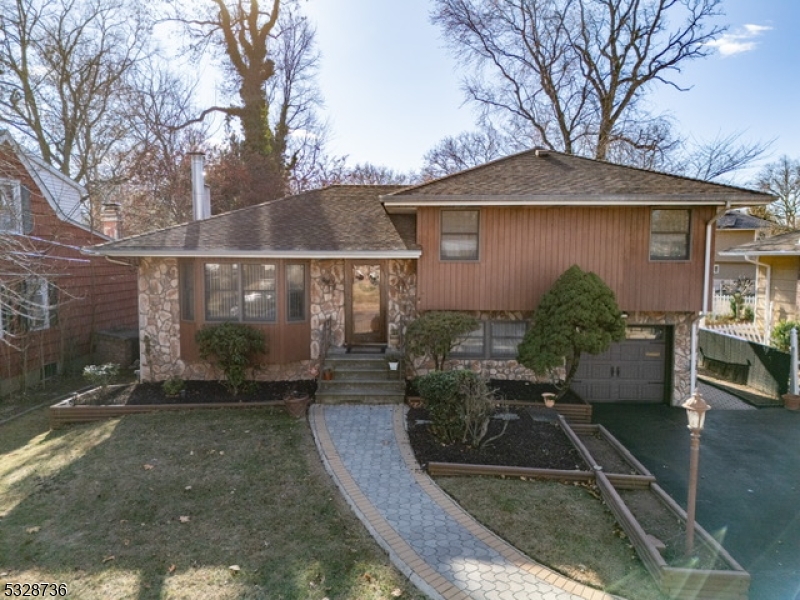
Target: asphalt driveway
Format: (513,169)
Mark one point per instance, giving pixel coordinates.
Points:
(749,489)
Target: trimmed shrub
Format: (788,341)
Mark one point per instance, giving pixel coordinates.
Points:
(578,314)
(460,404)
(234,347)
(435,333)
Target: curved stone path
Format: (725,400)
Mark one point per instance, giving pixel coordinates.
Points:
(432,540)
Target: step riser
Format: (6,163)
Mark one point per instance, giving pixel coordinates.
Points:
(359,399)
(365,375)
(357,363)
(357,387)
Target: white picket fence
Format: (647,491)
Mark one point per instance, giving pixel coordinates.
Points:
(745,331)
(722,304)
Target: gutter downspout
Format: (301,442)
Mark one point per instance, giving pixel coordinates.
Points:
(767,298)
(706,295)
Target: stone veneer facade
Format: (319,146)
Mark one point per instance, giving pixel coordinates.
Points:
(511,369)
(159,317)
(159,322)
(328,300)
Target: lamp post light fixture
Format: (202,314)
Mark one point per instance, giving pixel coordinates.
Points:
(696,409)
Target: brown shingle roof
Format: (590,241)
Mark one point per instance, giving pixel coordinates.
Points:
(330,221)
(787,244)
(552,177)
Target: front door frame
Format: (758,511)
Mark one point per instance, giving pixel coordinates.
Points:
(380,336)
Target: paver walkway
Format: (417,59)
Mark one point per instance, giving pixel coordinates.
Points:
(441,548)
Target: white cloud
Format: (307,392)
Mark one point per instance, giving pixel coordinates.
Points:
(739,40)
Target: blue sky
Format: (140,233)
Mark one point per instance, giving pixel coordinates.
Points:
(392,89)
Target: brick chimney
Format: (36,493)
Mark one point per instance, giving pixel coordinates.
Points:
(111,221)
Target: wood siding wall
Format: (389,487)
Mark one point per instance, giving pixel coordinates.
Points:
(784,277)
(523,250)
(95,294)
(287,341)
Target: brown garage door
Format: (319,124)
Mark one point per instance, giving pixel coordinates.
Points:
(633,370)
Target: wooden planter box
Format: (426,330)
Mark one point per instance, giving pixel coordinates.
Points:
(731,583)
(575,413)
(67,411)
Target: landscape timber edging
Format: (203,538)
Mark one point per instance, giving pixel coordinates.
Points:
(574,412)
(678,583)
(65,411)
(441,469)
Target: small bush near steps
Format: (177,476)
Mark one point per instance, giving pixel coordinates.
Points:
(234,347)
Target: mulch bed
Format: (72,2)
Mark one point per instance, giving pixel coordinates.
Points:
(202,392)
(527,391)
(526,443)
(516,391)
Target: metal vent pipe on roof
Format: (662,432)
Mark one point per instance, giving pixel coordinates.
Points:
(201,200)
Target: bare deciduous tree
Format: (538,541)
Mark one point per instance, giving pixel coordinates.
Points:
(466,150)
(720,157)
(270,54)
(156,189)
(571,74)
(782,179)
(66,68)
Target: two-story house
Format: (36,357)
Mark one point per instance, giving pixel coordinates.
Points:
(489,240)
(54,299)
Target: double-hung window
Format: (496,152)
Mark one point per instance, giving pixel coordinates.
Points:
(10,206)
(28,305)
(460,239)
(240,292)
(669,234)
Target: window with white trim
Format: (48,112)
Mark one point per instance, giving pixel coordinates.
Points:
(28,305)
(10,206)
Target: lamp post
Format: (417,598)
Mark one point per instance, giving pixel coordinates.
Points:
(696,409)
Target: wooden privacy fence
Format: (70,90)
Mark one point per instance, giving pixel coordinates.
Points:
(762,368)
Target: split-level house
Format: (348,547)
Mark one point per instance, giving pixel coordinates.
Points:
(489,240)
(54,298)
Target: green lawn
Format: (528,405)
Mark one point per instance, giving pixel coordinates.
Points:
(162,505)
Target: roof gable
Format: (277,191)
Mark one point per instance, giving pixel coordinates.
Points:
(549,177)
(61,193)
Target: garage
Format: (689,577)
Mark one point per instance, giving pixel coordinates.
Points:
(634,370)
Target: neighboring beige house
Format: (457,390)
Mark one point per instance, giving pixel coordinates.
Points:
(735,228)
(777,260)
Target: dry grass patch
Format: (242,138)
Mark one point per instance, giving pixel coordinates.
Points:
(162,505)
(563,526)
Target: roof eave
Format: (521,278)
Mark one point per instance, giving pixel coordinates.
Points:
(395,202)
(761,253)
(221,253)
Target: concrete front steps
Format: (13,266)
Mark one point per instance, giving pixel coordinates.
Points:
(360,379)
